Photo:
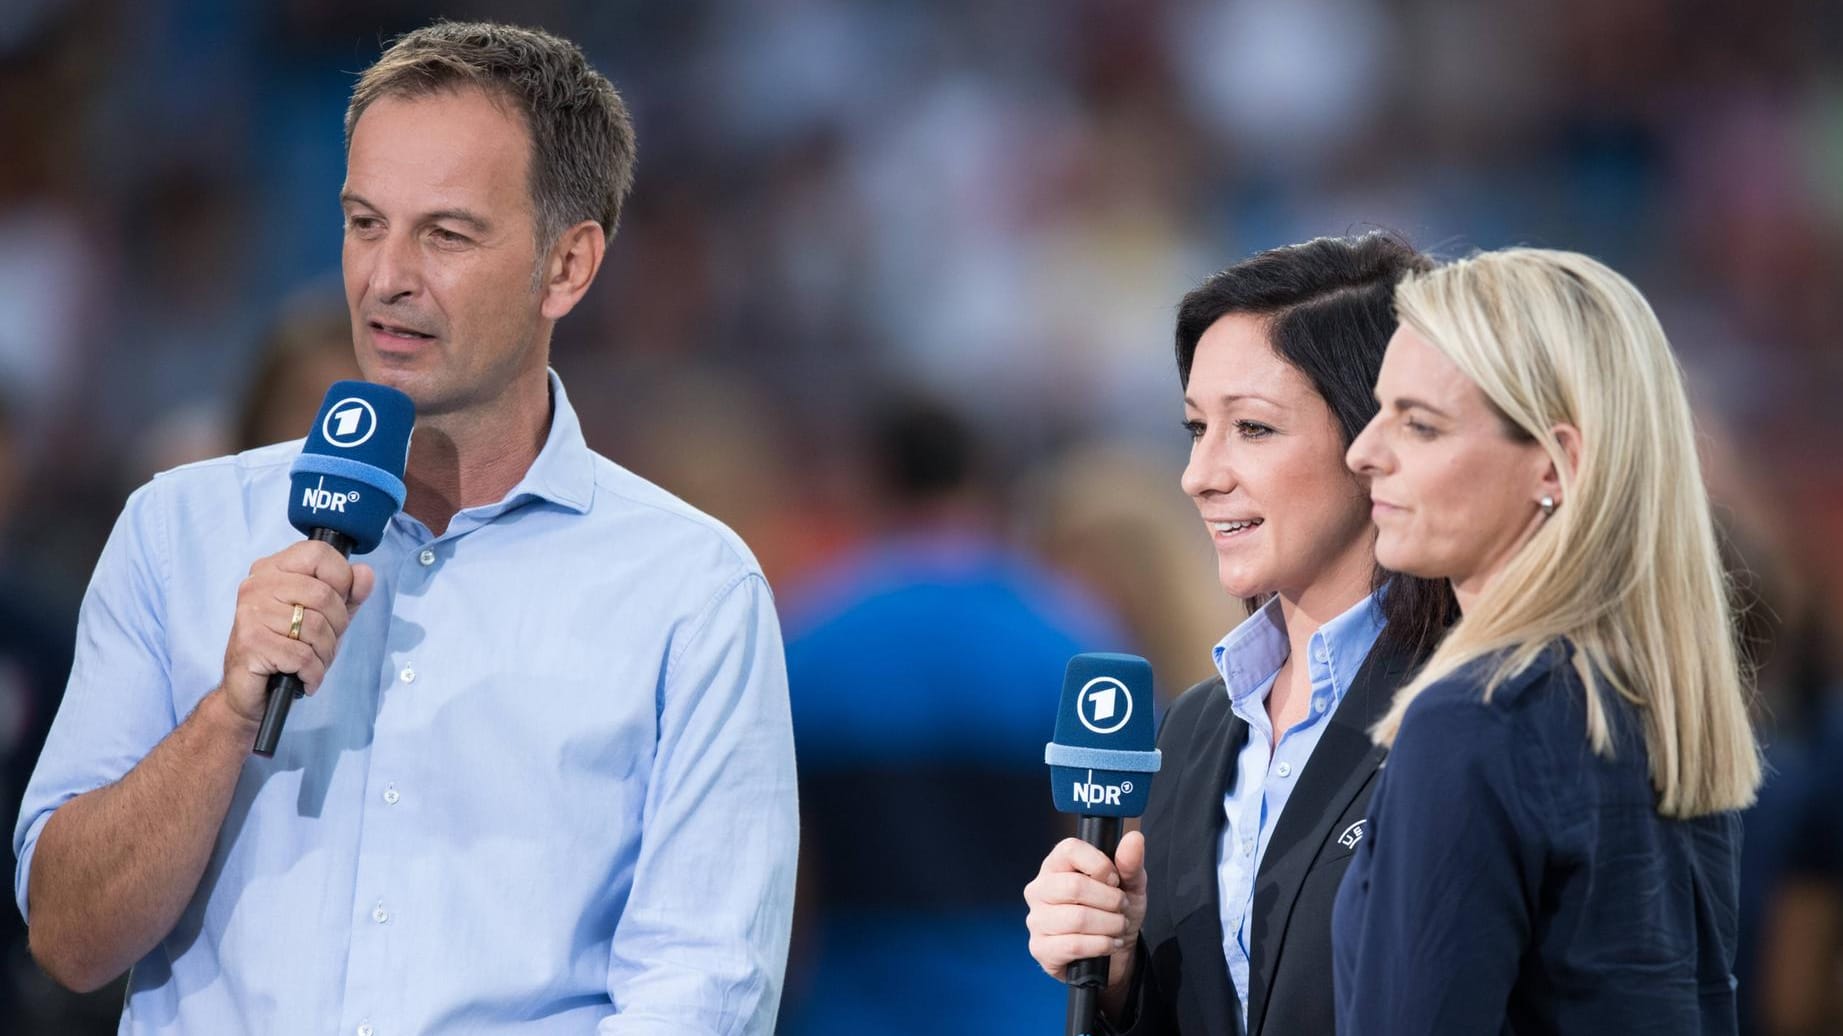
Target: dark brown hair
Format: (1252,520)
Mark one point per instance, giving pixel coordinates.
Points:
(582,140)
(1329,306)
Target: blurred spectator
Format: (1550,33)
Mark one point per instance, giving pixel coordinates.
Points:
(53,256)
(924,671)
(731,452)
(36,642)
(1790,960)
(1801,961)
(1116,521)
(307,350)
(193,310)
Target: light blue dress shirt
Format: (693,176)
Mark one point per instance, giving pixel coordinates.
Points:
(546,787)
(1249,658)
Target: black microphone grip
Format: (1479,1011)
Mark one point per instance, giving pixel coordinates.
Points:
(1088,977)
(284,688)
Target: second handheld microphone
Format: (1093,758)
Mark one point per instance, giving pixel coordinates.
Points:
(1101,766)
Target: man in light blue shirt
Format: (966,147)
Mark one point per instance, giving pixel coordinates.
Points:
(546,784)
(1249,658)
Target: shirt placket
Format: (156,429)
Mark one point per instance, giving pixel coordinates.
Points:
(1248,838)
(374,991)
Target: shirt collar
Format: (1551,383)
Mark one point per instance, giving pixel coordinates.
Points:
(1252,652)
(563,472)
(1341,645)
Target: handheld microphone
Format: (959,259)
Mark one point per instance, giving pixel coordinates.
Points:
(1101,765)
(343,490)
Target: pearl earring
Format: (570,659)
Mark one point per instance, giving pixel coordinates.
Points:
(1547,504)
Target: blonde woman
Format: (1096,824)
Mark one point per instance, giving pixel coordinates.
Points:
(1553,844)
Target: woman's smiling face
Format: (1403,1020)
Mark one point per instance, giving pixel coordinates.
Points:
(1267,470)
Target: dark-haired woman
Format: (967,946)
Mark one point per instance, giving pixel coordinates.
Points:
(1217,919)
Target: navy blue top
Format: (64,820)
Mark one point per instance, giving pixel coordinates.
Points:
(1512,881)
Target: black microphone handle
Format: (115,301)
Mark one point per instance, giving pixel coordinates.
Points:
(1087,977)
(284,688)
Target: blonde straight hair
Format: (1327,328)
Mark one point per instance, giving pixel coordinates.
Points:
(1627,567)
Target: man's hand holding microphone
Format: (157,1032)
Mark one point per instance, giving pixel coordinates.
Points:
(290,614)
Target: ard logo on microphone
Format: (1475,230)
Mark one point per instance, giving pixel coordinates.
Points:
(1105,705)
(349,423)
(317,498)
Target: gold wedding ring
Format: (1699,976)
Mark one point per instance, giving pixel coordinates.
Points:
(294,625)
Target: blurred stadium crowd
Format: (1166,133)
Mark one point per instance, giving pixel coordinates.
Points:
(893,297)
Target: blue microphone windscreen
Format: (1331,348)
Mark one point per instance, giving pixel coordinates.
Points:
(1105,751)
(349,476)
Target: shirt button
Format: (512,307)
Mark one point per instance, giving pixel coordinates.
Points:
(1318,705)
(391,796)
(1286,769)
(1247,847)
(427,557)
(1324,653)
(408,675)
(378,914)
(365,1029)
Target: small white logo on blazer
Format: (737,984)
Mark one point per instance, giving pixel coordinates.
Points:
(1352,834)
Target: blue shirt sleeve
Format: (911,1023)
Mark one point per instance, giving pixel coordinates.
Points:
(702,943)
(1448,878)
(118,704)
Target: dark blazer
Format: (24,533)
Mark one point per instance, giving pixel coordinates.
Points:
(1519,882)
(1181,982)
